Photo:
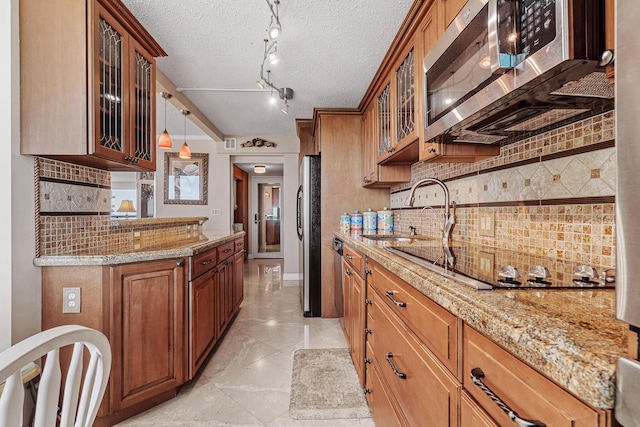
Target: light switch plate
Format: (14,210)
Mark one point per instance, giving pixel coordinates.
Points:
(486,224)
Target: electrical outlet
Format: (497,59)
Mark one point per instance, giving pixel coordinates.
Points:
(486,226)
(216,212)
(485,262)
(71,300)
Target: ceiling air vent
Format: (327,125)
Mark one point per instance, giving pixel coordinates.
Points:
(230,144)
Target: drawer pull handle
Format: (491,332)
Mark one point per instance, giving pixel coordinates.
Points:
(226,251)
(389,294)
(476,374)
(349,272)
(347,256)
(398,374)
(207,262)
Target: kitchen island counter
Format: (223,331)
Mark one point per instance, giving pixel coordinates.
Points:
(571,336)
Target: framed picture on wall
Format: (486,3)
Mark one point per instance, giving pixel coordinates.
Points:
(186,180)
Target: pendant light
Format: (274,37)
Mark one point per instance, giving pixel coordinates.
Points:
(185,153)
(165,140)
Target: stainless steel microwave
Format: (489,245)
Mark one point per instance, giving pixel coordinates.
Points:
(506,68)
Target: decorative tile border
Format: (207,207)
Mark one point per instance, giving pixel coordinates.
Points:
(73,215)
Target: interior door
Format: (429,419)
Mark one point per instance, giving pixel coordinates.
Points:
(267,214)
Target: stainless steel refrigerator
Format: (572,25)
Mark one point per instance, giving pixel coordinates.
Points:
(308,223)
(627,92)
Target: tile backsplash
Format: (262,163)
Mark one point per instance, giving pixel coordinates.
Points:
(552,194)
(73,215)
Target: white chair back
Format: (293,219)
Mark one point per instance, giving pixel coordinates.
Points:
(76,410)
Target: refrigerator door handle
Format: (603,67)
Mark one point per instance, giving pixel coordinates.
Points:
(299,213)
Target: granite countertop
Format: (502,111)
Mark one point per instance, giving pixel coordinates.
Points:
(571,336)
(188,246)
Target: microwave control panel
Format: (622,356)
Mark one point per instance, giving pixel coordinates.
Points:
(537,24)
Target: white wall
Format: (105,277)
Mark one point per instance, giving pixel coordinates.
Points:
(20,284)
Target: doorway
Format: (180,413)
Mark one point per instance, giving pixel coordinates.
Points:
(267,208)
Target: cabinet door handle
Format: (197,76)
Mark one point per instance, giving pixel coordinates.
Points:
(431,150)
(349,272)
(389,295)
(398,374)
(368,331)
(180,263)
(368,302)
(347,256)
(476,374)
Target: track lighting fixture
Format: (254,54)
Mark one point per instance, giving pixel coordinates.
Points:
(271,58)
(275,29)
(185,152)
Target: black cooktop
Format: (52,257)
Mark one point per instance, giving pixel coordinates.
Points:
(489,268)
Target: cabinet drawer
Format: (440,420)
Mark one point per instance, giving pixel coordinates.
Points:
(471,415)
(431,323)
(425,380)
(202,263)
(383,408)
(225,250)
(239,245)
(354,259)
(526,391)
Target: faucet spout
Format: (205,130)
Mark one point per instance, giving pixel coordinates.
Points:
(449,214)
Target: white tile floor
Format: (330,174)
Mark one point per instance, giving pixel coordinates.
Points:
(247,380)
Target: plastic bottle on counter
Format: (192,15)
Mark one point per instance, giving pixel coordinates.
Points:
(385,220)
(345,223)
(369,220)
(356,222)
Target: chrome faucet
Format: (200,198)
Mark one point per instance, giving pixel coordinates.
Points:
(449,215)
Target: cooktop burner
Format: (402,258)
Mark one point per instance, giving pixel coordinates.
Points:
(489,268)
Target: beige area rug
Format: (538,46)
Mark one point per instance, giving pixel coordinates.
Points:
(325,386)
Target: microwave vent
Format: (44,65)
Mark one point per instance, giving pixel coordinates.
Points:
(594,85)
(546,119)
(476,138)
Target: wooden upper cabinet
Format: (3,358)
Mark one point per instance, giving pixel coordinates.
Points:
(450,8)
(88,84)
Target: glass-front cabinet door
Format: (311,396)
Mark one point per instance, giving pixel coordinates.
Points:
(111,82)
(384,122)
(143,118)
(124,89)
(405,89)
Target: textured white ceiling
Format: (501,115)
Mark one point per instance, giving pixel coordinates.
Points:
(330,51)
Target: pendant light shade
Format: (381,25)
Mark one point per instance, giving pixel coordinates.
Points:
(165,140)
(185,152)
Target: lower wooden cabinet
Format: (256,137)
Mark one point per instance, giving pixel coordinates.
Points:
(215,294)
(419,359)
(530,394)
(413,374)
(354,308)
(140,307)
(147,338)
(472,415)
(384,409)
(202,324)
